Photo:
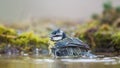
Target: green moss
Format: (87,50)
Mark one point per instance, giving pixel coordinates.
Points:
(24,41)
(116,38)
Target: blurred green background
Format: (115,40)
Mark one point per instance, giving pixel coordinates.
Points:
(27,24)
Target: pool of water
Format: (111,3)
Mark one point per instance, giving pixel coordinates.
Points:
(49,62)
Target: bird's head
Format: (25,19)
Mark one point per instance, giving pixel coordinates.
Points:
(57,35)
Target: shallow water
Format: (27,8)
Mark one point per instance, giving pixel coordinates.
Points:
(48,62)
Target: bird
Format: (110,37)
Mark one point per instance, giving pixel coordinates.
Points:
(68,46)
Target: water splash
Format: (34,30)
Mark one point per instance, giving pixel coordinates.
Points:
(73,52)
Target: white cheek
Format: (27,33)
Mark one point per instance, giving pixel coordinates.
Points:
(57,38)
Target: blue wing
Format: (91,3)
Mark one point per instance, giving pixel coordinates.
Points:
(71,42)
